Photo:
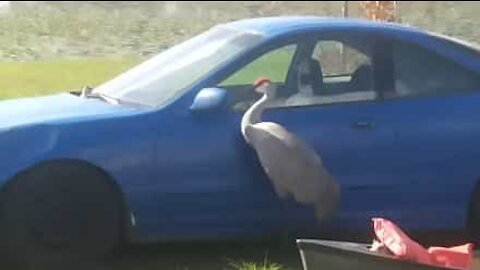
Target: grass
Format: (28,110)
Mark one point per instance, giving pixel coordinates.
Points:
(266,265)
(255,266)
(49,30)
(273,254)
(236,255)
(233,255)
(20,79)
(117,34)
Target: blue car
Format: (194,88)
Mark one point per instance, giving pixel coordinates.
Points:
(156,154)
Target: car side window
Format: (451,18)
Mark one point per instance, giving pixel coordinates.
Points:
(336,71)
(274,64)
(338,58)
(419,72)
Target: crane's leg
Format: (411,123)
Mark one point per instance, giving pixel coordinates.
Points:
(286,238)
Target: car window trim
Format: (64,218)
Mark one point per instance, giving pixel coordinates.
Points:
(305,46)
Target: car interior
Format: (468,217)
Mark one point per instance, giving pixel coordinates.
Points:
(310,83)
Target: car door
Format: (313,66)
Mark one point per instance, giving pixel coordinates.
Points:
(211,183)
(433,106)
(342,121)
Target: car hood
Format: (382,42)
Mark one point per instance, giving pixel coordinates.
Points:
(53,108)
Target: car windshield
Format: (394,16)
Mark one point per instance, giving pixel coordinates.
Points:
(162,78)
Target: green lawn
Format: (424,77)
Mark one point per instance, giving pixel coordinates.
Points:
(20,79)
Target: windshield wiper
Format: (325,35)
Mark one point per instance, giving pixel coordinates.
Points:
(86,92)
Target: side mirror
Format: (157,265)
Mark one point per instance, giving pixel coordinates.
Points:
(210,99)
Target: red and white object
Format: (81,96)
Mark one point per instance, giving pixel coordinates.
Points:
(400,245)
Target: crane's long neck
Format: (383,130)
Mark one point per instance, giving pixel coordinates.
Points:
(253,115)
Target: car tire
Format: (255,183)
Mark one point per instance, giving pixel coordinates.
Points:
(58,214)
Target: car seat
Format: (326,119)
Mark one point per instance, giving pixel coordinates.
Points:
(362,79)
(316,76)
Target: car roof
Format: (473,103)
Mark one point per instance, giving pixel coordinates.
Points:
(273,26)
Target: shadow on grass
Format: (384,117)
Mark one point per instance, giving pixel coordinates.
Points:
(220,255)
(278,254)
(207,255)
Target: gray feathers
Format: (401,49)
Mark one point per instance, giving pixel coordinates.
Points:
(293,167)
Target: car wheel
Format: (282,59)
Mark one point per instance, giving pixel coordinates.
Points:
(55,214)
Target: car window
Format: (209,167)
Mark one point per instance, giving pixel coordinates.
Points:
(336,71)
(338,58)
(274,64)
(164,77)
(419,72)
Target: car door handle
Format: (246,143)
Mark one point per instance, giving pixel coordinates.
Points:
(363,125)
